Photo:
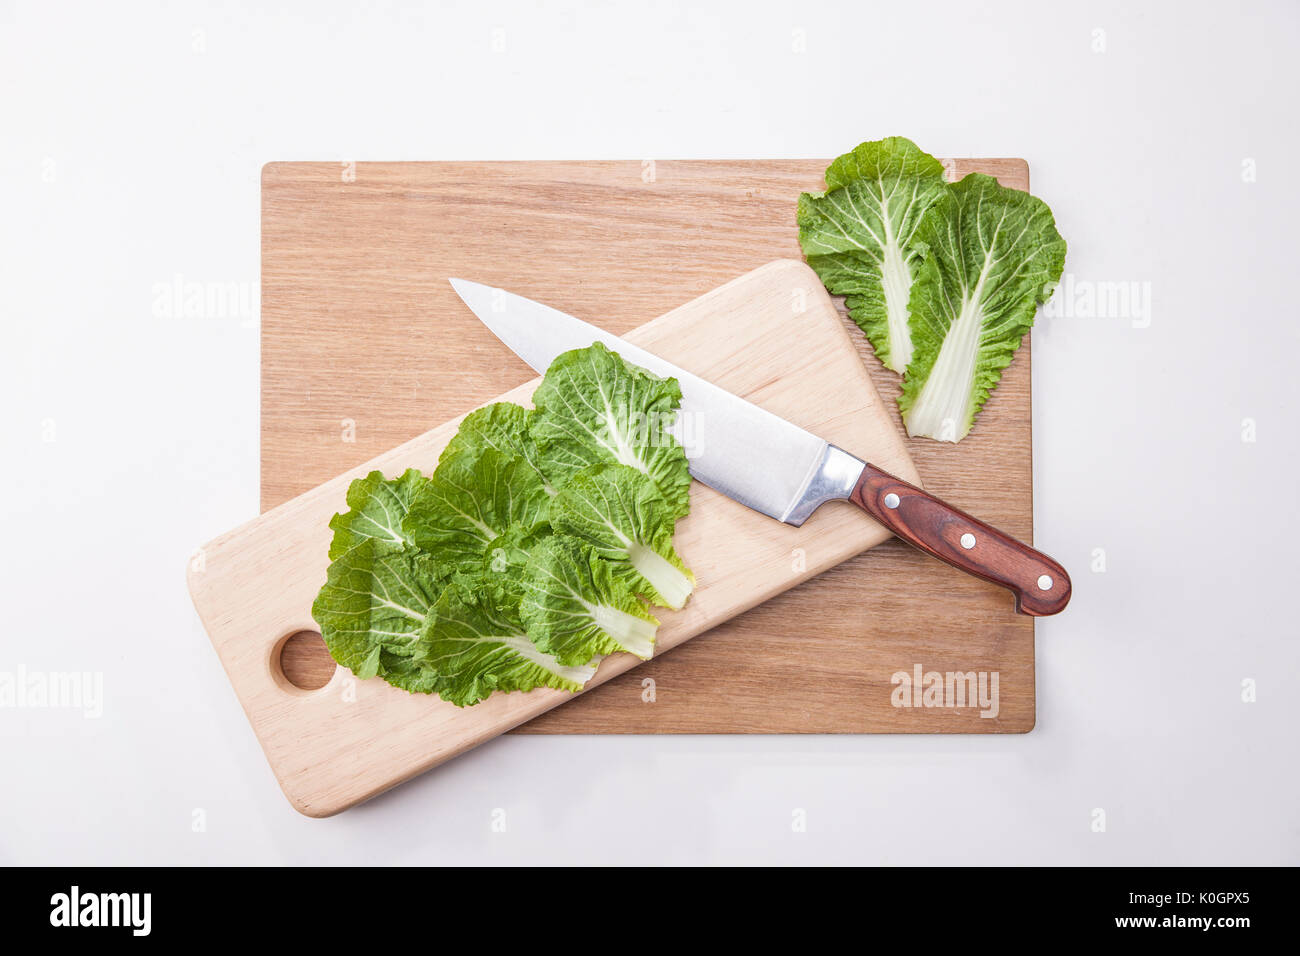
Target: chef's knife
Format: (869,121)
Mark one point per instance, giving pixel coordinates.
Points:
(777,468)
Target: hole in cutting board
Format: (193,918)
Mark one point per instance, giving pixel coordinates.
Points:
(305,662)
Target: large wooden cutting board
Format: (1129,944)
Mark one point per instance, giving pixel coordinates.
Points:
(359,326)
(772,336)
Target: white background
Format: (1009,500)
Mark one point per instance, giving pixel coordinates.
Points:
(130,150)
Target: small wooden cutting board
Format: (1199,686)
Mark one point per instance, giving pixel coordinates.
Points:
(772,336)
(365,346)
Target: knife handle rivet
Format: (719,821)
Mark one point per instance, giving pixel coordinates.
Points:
(1045,582)
(968,541)
(891,501)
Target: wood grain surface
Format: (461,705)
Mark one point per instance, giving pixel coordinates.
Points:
(772,336)
(359,326)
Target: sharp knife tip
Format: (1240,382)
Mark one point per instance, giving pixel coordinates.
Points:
(476,295)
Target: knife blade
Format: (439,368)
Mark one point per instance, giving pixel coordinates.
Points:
(777,468)
(717,455)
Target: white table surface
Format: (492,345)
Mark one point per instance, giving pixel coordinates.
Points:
(132,147)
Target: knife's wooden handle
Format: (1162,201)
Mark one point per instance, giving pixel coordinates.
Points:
(1040,584)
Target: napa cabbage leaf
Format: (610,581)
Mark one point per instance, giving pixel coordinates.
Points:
(860,236)
(626,520)
(576,607)
(476,648)
(470,580)
(506,561)
(376,507)
(594,408)
(379,586)
(373,607)
(993,256)
(503,426)
(472,499)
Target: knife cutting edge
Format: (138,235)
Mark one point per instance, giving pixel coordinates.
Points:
(777,468)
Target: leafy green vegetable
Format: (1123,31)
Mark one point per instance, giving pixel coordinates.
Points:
(624,517)
(506,561)
(994,256)
(472,499)
(594,408)
(860,236)
(575,607)
(458,584)
(376,509)
(409,673)
(476,649)
(373,606)
(502,426)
